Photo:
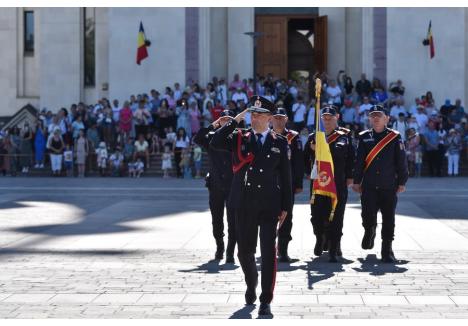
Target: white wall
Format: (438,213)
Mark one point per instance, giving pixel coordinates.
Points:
(8,61)
(61,54)
(165,28)
(408,59)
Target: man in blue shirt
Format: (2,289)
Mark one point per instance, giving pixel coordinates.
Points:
(432,150)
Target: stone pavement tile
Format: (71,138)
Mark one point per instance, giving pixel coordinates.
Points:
(384,300)
(206,298)
(62,298)
(430,299)
(292,298)
(459,299)
(237,299)
(3,296)
(161,298)
(30,297)
(118,298)
(340,299)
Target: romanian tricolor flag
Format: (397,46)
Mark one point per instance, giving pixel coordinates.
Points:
(142,51)
(430,38)
(324,179)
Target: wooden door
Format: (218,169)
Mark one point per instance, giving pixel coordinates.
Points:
(272,46)
(321,43)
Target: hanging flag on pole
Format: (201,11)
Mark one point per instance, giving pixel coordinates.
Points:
(143,43)
(430,38)
(324,179)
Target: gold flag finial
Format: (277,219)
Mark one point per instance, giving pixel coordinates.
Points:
(318,87)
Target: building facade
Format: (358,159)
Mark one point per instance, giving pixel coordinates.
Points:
(53,57)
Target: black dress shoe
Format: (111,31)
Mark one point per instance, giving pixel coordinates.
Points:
(389,258)
(264,309)
(250,297)
(368,239)
(318,249)
(230,260)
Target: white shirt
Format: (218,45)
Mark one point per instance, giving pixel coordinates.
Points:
(116,113)
(299,112)
(422,120)
(364,108)
(270,98)
(177,95)
(293,91)
(240,96)
(401,127)
(334,93)
(222,94)
(396,110)
(184,143)
(264,135)
(311,117)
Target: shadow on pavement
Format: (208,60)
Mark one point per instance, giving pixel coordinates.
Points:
(319,269)
(211,267)
(374,266)
(243,313)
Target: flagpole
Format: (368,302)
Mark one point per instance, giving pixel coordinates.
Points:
(316,163)
(318,91)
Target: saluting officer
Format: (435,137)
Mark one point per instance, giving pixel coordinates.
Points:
(381,171)
(343,154)
(218,182)
(261,193)
(295,154)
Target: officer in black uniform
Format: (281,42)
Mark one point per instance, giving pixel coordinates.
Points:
(343,153)
(380,173)
(295,154)
(218,182)
(261,193)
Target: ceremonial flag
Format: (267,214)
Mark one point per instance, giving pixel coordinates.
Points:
(324,180)
(431,40)
(142,51)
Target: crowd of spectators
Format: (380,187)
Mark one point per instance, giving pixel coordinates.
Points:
(121,138)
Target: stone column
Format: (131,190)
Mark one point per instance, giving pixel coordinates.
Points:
(367,42)
(240,46)
(336,39)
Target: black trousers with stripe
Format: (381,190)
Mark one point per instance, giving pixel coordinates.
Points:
(248,224)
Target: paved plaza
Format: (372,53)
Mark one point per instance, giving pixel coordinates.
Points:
(142,248)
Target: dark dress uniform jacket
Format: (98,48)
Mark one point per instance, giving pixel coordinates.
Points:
(389,169)
(265,181)
(220,164)
(343,154)
(296,157)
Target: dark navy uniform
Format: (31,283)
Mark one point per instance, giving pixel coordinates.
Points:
(218,182)
(261,189)
(343,153)
(379,182)
(296,156)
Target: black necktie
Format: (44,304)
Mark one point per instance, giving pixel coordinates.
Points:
(259,140)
